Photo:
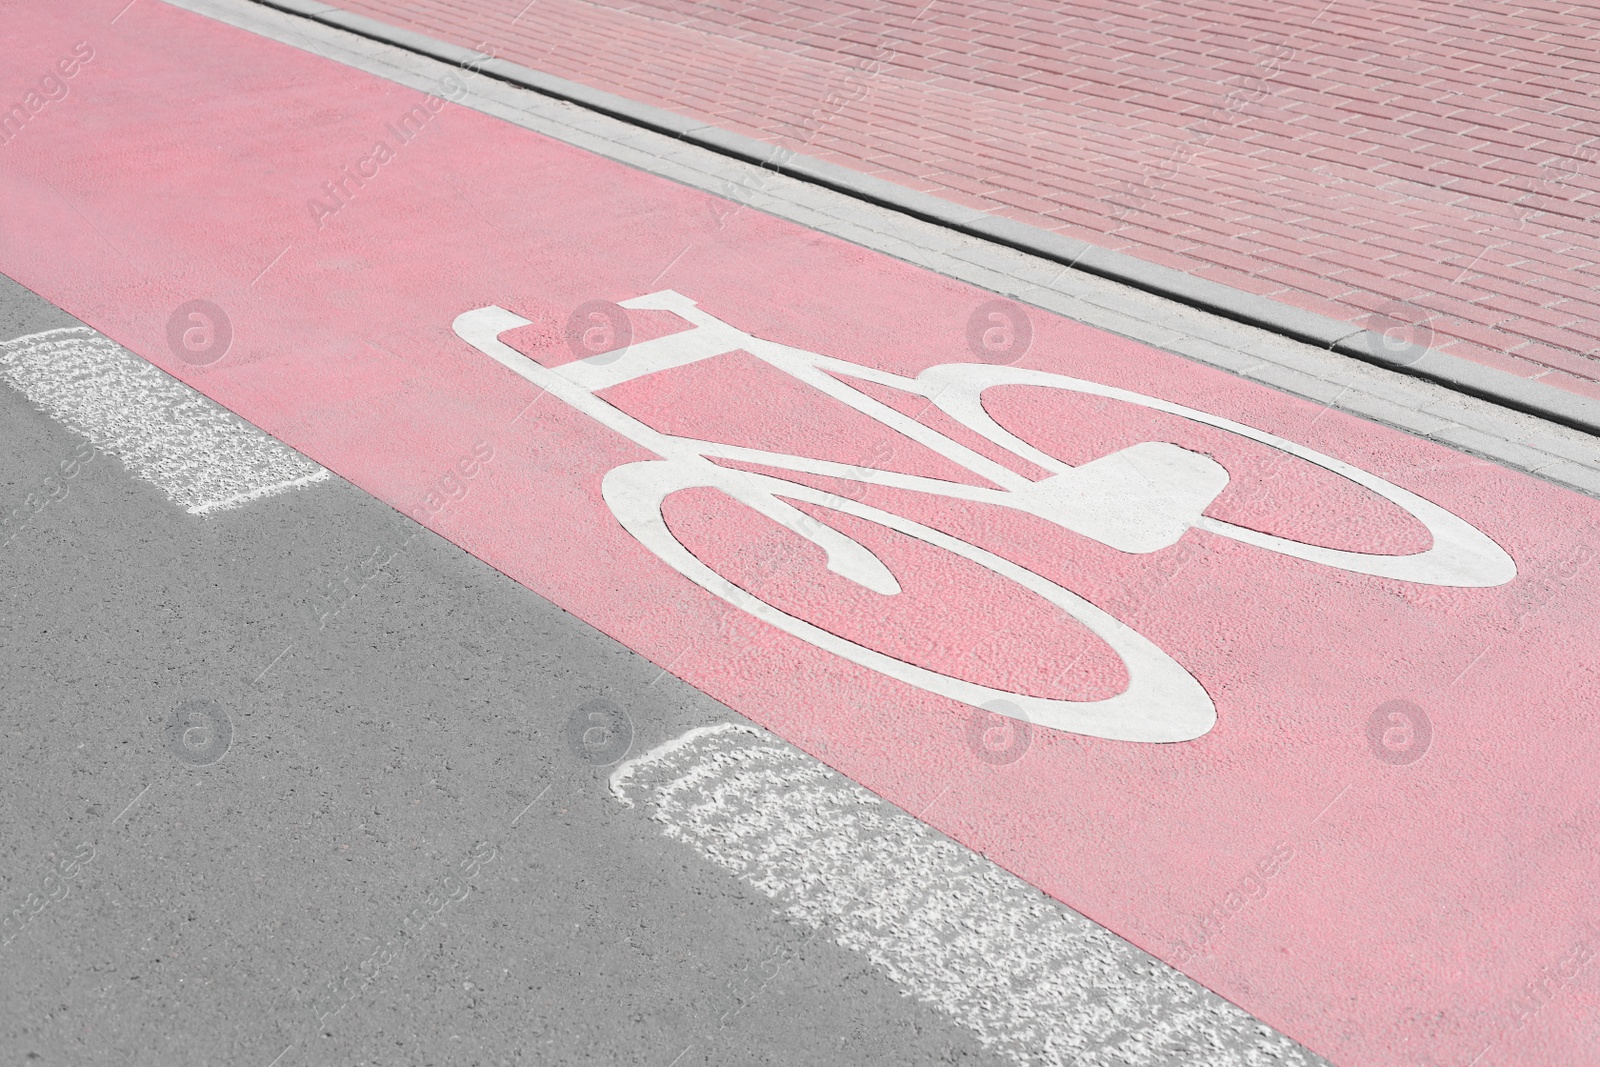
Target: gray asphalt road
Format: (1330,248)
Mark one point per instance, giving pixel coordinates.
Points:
(402,854)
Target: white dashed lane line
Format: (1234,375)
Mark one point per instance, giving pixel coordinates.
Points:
(202,456)
(1035,981)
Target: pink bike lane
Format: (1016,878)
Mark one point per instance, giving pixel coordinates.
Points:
(1385,844)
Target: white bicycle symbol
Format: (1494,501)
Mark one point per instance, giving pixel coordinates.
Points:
(1140,499)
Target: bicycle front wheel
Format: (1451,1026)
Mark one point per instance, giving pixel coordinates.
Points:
(1461,554)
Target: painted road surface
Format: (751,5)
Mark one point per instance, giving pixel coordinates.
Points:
(1311,699)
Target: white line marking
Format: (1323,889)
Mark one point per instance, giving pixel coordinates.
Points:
(1035,981)
(531,803)
(269,266)
(674,263)
(1471,665)
(202,456)
(929,805)
(131,803)
(1328,805)
(273,664)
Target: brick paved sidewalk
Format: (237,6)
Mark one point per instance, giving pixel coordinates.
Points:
(1375,161)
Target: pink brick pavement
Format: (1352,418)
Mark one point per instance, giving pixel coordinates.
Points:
(1431,159)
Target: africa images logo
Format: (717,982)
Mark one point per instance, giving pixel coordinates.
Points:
(353,178)
(52,88)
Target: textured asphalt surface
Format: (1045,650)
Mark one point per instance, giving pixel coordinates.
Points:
(399,856)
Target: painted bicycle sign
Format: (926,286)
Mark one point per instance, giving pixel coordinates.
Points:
(1139,499)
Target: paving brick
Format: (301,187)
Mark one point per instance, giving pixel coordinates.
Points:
(1454,327)
(1583,386)
(1579,363)
(1525,326)
(1309,302)
(1490,357)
